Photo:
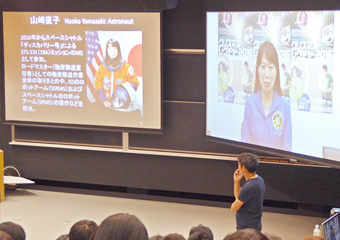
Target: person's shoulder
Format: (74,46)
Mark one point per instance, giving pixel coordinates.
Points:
(252,98)
(260,178)
(259,182)
(126,64)
(252,184)
(283,102)
(102,69)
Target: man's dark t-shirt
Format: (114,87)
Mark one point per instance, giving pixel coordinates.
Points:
(250,214)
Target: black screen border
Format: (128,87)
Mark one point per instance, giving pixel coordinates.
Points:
(241,6)
(86,6)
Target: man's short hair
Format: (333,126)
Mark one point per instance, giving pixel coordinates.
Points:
(174,236)
(271,236)
(82,229)
(200,232)
(324,67)
(245,234)
(249,160)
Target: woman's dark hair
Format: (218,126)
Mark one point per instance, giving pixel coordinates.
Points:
(249,160)
(14,230)
(200,232)
(116,63)
(121,226)
(271,236)
(5,236)
(82,230)
(223,65)
(63,237)
(156,237)
(268,49)
(174,236)
(246,234)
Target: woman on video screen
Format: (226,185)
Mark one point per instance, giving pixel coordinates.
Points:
(116,80)
(267,118)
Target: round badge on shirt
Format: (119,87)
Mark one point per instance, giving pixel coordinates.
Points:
(106,83)
(278,120)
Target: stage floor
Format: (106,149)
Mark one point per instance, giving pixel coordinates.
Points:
(45,215)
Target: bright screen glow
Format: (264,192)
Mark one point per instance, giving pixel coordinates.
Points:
(273,80)
(97,69)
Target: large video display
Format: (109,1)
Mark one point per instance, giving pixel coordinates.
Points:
(95,69)
(272,80)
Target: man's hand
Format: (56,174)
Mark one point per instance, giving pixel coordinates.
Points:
(237,175)
(237,204)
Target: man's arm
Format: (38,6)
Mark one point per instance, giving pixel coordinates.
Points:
(237,204)
(330,89)
(237,188)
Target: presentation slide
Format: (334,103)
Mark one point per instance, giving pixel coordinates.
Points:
(272,80)
(95,69)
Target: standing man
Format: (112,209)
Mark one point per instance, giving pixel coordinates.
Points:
(247,79)
(285,81)
(327,84)
(248,203)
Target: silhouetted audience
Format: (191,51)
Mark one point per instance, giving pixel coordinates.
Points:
(124,226)
(174,236)
(14,230)
(200,232)
(313,238)
(246,234)
(5,236)
(121,226)
(63,237)
(156,237)
(271,236)
(82,230)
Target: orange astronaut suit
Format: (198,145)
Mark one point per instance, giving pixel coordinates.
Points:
(108,81)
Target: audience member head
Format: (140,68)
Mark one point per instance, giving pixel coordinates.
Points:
(63,237)
(82,230)
(156,237)
(121,226)
(94,233)
(313,238)
(14,230)
(200,232)
(173,236)
(5,236)
(271,236)
(246,234)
